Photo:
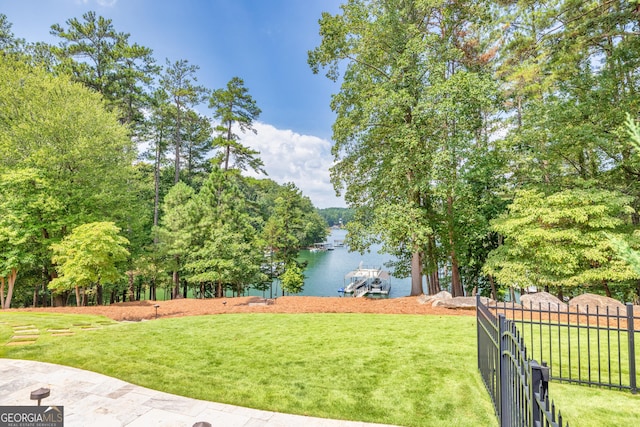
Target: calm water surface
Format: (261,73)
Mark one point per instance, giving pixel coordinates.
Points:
(326,270)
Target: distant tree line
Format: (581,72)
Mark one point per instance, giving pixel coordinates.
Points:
(336,217)
(113,187)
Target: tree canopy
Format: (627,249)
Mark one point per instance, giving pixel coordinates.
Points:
(482,144)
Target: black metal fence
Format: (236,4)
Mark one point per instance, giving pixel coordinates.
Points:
(581,346)
(518,386)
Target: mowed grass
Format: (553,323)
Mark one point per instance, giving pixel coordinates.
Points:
(596,407)
(395,369)
(405,370)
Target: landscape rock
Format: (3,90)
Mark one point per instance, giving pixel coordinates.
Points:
(426,299)
(543,301)
(593,301)
(468,303)
(506,305)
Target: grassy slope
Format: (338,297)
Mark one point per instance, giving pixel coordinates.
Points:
(405,370)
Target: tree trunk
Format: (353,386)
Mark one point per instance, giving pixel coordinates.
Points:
(431,265)
(228,148)
(494,294)
(606,289)
(131,292)
(416,274)
(434,286)
(11,281)
(78,300)
(99,294)
(2,292)
(176,284)
(178,143)
(156,179)
(456,285)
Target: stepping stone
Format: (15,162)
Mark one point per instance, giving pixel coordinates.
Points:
(27,332)
(12,343)
(25,337)
(62,334)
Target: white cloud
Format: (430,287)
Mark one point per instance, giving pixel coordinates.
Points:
(107,3)
(302,159)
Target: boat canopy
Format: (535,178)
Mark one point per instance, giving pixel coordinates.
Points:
(368,272)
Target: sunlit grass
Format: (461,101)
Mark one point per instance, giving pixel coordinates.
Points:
(594,354)
(595,407)
(395,369)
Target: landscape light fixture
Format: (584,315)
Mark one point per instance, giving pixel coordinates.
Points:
(40,394)
(156,306)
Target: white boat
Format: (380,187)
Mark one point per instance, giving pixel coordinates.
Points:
(367,280)
(321,247)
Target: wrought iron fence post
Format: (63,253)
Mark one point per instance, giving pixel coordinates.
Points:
(502,374)
(478,346)
(539,385)
(632,348)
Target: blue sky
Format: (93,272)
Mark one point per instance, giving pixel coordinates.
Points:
(264,42)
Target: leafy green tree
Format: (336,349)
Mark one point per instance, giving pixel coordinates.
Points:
(410,115)
(65,158)
(570,74)
(179,83)
(89,257)
(25,208)
(95,54)
(234,108)
(561,240)
(197,146)
(175,232)
(158,128)
(228,252)
(292,280)
(293,223)
(8,41)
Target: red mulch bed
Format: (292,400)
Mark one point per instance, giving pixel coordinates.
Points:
(139,310)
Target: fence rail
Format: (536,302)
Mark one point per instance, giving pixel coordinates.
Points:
(518,386)
(581,345)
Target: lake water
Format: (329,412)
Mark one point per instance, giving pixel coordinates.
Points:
(326,269)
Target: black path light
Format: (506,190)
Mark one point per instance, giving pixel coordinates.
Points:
(40,394)
(156,306)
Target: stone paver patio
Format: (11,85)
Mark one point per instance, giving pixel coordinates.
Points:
(91,399)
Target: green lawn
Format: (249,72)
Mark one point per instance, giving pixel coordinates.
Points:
(395,369)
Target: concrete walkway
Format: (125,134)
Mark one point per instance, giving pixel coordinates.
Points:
(95,400)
